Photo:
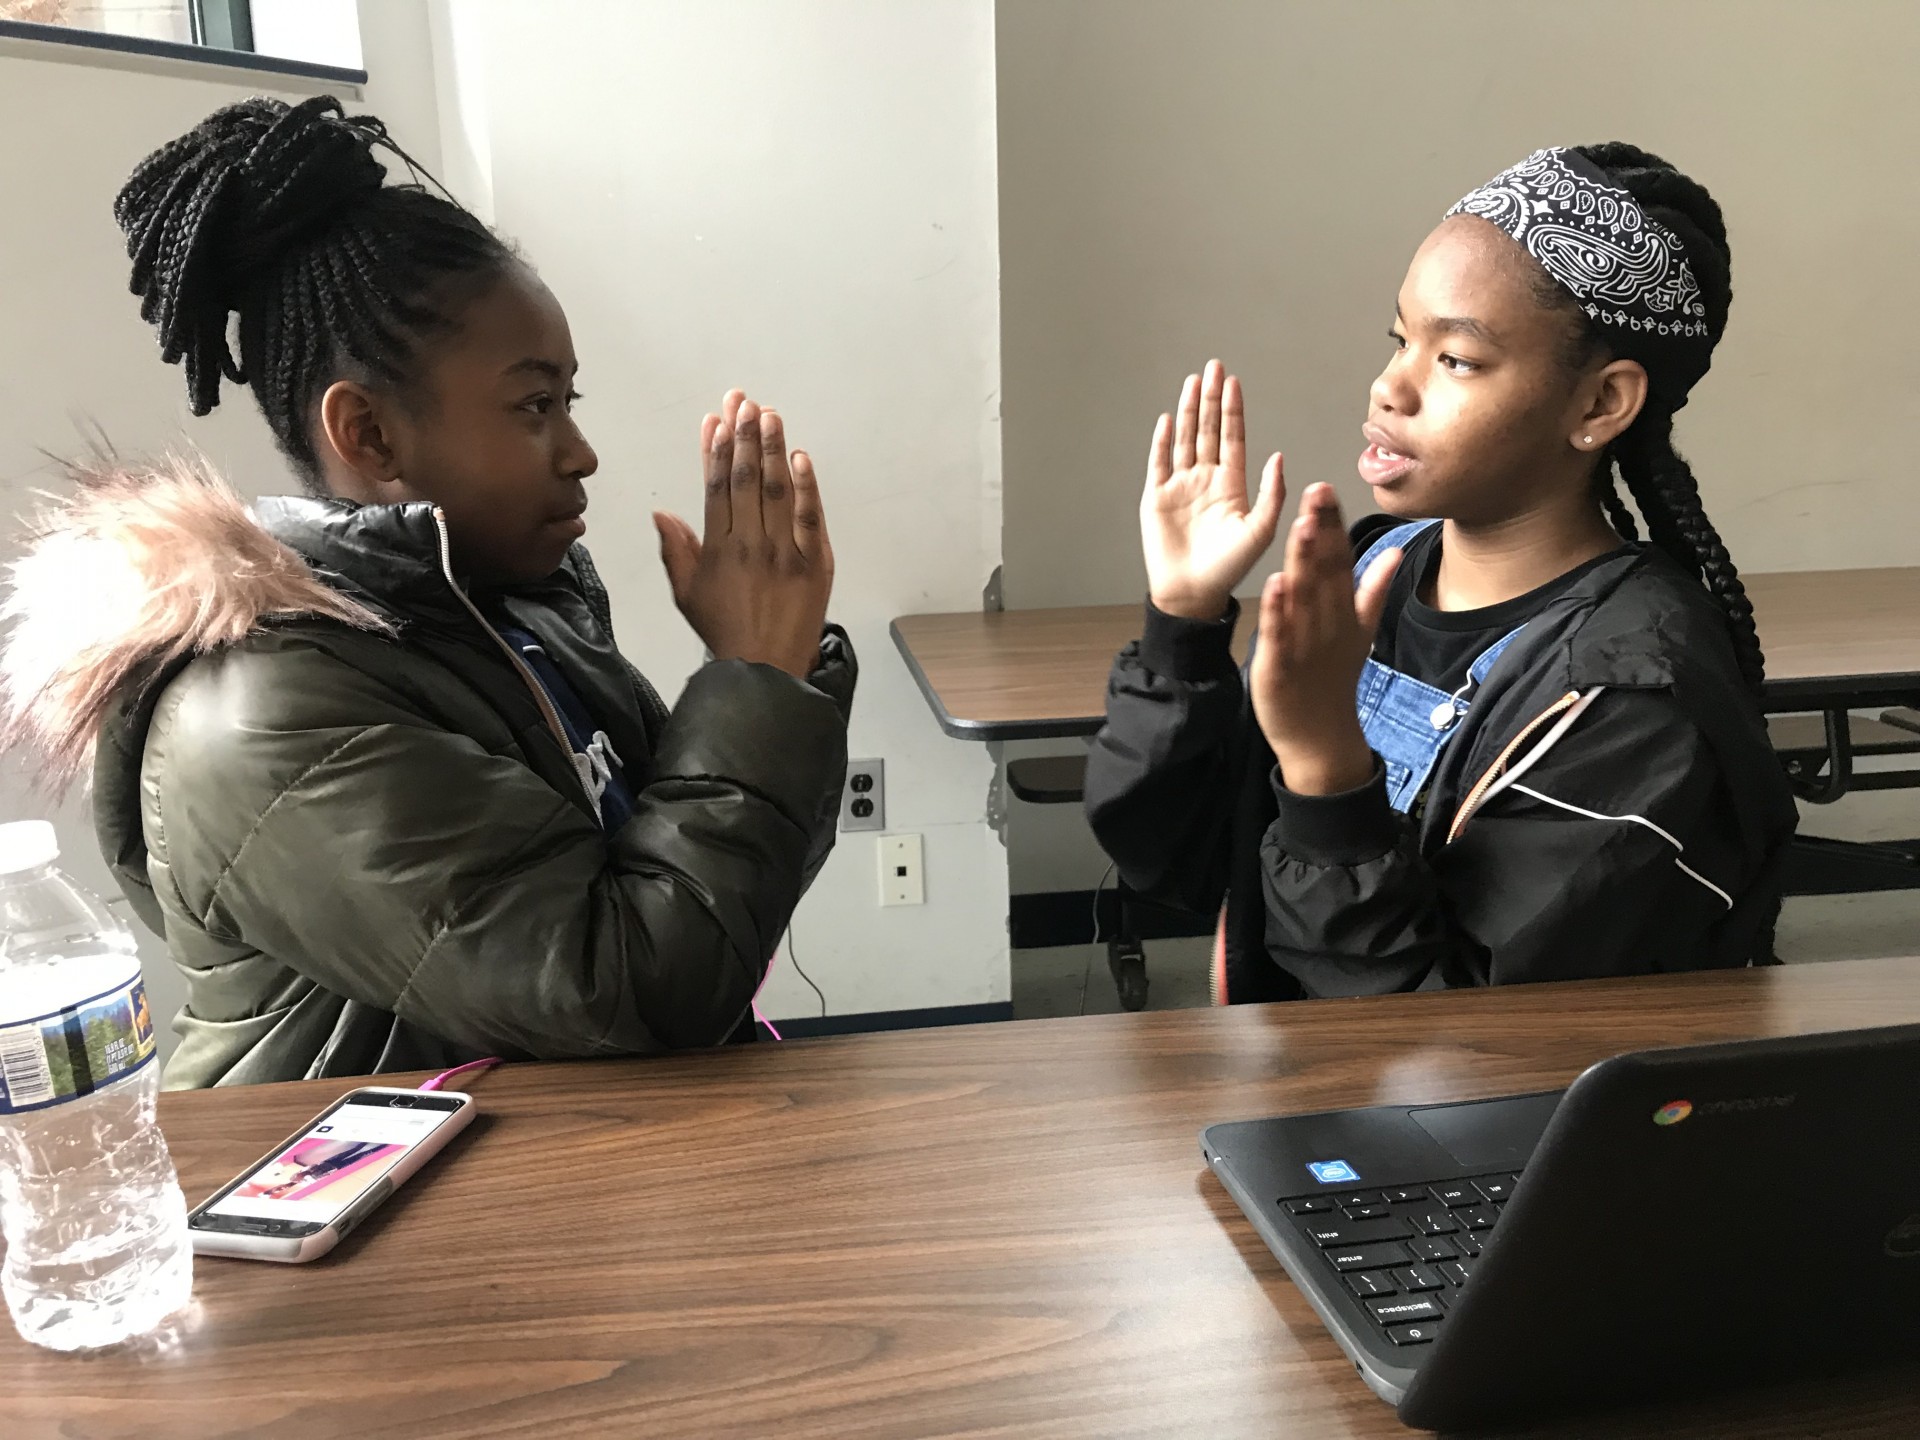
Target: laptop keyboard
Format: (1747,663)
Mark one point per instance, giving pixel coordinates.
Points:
(1404,1251)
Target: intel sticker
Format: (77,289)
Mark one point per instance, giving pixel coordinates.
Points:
(1333,1172)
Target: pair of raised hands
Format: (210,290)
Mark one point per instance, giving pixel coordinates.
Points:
(1202,534)
(755,586)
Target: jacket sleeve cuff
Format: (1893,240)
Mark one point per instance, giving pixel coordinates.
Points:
(1190,650)
(837,671)
(1345,829)
(757,726)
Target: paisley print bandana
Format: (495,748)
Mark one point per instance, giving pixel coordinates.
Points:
(1628,272)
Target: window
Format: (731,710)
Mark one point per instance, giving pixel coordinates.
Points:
(319,35)
(180,22)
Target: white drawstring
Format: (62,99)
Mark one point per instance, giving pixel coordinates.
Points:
(1665,835)
(596,763)
(1511,780)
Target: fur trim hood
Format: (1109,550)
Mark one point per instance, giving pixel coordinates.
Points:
(137,568)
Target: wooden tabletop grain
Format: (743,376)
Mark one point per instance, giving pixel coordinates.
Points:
(1028,674)
(997,1230)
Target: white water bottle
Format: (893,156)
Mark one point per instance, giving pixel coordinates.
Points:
(95,1224)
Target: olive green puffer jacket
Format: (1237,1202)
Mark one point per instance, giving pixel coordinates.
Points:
(350,811)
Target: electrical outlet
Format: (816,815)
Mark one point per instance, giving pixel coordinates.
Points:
(903,879)
(863,804)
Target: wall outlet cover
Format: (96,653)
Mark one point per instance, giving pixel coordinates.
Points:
(863,803)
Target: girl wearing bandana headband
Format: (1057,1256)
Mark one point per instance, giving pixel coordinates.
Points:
(1491,735)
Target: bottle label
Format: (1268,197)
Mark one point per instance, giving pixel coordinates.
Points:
(73,1052)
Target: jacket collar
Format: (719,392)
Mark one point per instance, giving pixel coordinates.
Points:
(388,557)
(385,556)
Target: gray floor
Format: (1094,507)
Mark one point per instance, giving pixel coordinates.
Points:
(1850,927)
(1073,979)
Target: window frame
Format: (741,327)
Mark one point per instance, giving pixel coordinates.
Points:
(222,24)
(223,37)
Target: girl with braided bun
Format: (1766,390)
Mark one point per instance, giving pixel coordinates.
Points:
(1491,735)
(369,758)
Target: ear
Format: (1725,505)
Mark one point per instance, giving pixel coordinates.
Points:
(357,438)
(1615,397)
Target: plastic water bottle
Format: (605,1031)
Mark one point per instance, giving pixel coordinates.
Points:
(95,1224)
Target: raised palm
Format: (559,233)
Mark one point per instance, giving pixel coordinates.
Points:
(1199,533)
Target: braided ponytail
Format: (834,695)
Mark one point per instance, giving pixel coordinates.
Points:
(1643,458)
(282,215)
(1666,493)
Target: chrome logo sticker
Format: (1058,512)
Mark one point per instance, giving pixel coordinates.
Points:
(1673,1112)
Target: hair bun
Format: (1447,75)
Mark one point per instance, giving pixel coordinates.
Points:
(251,180)
(208,215)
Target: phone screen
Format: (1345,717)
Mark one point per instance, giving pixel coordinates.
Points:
(342,1155)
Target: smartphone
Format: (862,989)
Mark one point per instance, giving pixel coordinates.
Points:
(318,1184)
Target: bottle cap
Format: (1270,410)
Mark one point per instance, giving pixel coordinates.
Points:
(27,845)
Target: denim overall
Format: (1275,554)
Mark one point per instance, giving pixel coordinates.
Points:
(1406,721)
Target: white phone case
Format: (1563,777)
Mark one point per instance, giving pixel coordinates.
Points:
(295,1250)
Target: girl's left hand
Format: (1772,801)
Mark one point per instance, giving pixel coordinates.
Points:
(1316,631)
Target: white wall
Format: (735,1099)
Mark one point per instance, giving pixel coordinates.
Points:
(79,355)
(820,229)
(1248,179)
(799,199)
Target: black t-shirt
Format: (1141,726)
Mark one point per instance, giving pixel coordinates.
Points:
(1439,646)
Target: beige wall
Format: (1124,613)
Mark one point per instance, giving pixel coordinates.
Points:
(1175,178)
(1248,178)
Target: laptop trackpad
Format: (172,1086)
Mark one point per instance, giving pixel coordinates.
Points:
(1489,1134)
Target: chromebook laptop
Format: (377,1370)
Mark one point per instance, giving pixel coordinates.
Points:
(1674,1221)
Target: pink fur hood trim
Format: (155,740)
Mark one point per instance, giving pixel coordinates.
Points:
(137,567)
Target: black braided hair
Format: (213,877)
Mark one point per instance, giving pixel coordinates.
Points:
(1643,457)
(282,215)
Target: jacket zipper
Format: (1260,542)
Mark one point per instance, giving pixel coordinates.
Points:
(1494,771)
(596,593)
(520,666)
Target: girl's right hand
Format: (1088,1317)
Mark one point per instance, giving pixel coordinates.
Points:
(1199,533)
(756,586)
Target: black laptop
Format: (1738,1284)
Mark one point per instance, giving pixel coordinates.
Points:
(1674,1221)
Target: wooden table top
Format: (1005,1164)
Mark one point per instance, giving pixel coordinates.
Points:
(1831,636)
(997,1230)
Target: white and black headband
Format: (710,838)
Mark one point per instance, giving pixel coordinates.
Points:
(1629,273)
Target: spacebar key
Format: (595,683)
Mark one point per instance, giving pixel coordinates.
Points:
(1356,1232)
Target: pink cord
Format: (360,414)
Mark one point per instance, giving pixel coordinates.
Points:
(755,1003)
(445,1075)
